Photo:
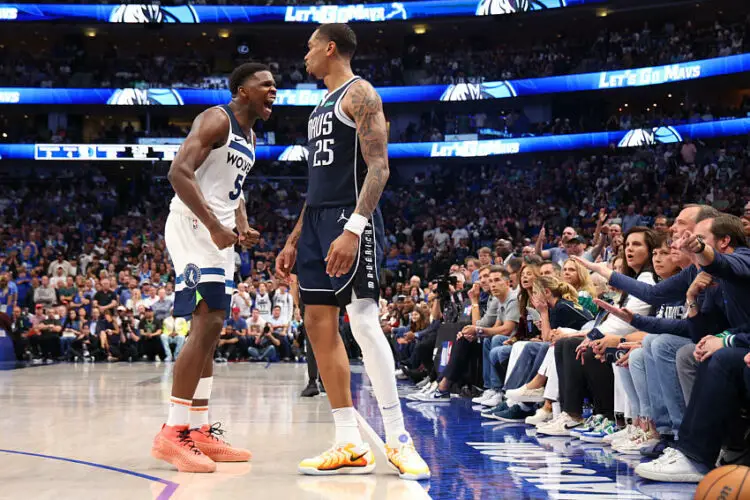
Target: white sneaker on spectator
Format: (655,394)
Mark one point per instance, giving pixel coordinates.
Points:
(672,467)
(435,396)
(554,420)
(559,426)
(400,375)
(495,399)
(625,433)
(633,446)
(540,417)
(486,394)
(425,381)
(524,395)
(427,389)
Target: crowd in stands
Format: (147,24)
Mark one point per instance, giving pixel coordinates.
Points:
(663,363)
(118,65)
(97,283)
(505,262)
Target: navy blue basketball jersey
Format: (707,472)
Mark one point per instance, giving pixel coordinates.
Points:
(335,163)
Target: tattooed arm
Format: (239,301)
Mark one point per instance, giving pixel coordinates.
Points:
(363,104)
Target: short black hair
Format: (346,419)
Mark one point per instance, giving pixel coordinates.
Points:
(242,73)
(342,35)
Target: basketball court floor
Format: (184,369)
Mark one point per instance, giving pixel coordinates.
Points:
(84,432)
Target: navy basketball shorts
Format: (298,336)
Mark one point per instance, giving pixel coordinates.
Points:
(203,271)
(320,227)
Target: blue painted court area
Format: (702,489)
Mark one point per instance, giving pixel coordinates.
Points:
(472,457)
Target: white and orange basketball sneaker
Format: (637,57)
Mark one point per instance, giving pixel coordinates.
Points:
(175,446)
(347,458)
(207,440)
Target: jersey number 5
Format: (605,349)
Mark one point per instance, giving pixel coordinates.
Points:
(323,153)
(233,195)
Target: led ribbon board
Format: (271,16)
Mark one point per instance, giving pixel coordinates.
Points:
(317,14)
(604,80)
(458,149)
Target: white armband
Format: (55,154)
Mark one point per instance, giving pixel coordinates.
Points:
(356,224)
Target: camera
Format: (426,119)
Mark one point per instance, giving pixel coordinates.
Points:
(451,310)
(443,286)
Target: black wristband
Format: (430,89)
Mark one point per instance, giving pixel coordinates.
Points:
(703,245)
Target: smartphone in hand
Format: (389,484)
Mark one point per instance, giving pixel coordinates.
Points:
(594,334)
(613,354)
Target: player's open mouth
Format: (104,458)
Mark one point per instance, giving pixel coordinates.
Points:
(268,104)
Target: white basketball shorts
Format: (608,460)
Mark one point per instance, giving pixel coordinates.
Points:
(203,271)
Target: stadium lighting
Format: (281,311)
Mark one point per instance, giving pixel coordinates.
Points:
(223,33)
(420,29)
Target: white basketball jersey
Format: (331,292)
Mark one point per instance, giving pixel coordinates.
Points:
(222,175)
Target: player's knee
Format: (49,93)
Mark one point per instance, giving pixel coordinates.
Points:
(207,329)
(317,315)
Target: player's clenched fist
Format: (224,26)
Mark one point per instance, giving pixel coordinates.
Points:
(341,254)
(223,237)
(248,236)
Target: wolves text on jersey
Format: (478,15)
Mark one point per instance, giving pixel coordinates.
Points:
(239,161)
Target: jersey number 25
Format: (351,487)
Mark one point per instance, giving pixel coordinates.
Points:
(323,155)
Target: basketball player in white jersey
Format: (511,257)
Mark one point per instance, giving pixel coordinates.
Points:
(337,245)
(207,175)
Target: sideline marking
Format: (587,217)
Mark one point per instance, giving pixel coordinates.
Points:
(165,494)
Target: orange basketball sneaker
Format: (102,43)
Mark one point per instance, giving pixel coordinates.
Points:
(174,445)
(207,440)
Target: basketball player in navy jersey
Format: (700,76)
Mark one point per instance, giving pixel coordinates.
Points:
(207,217)
(337,246)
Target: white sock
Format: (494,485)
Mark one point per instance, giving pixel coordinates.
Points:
(347,430)
(393,421)
(199,414)
(378,360)
(179,411)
